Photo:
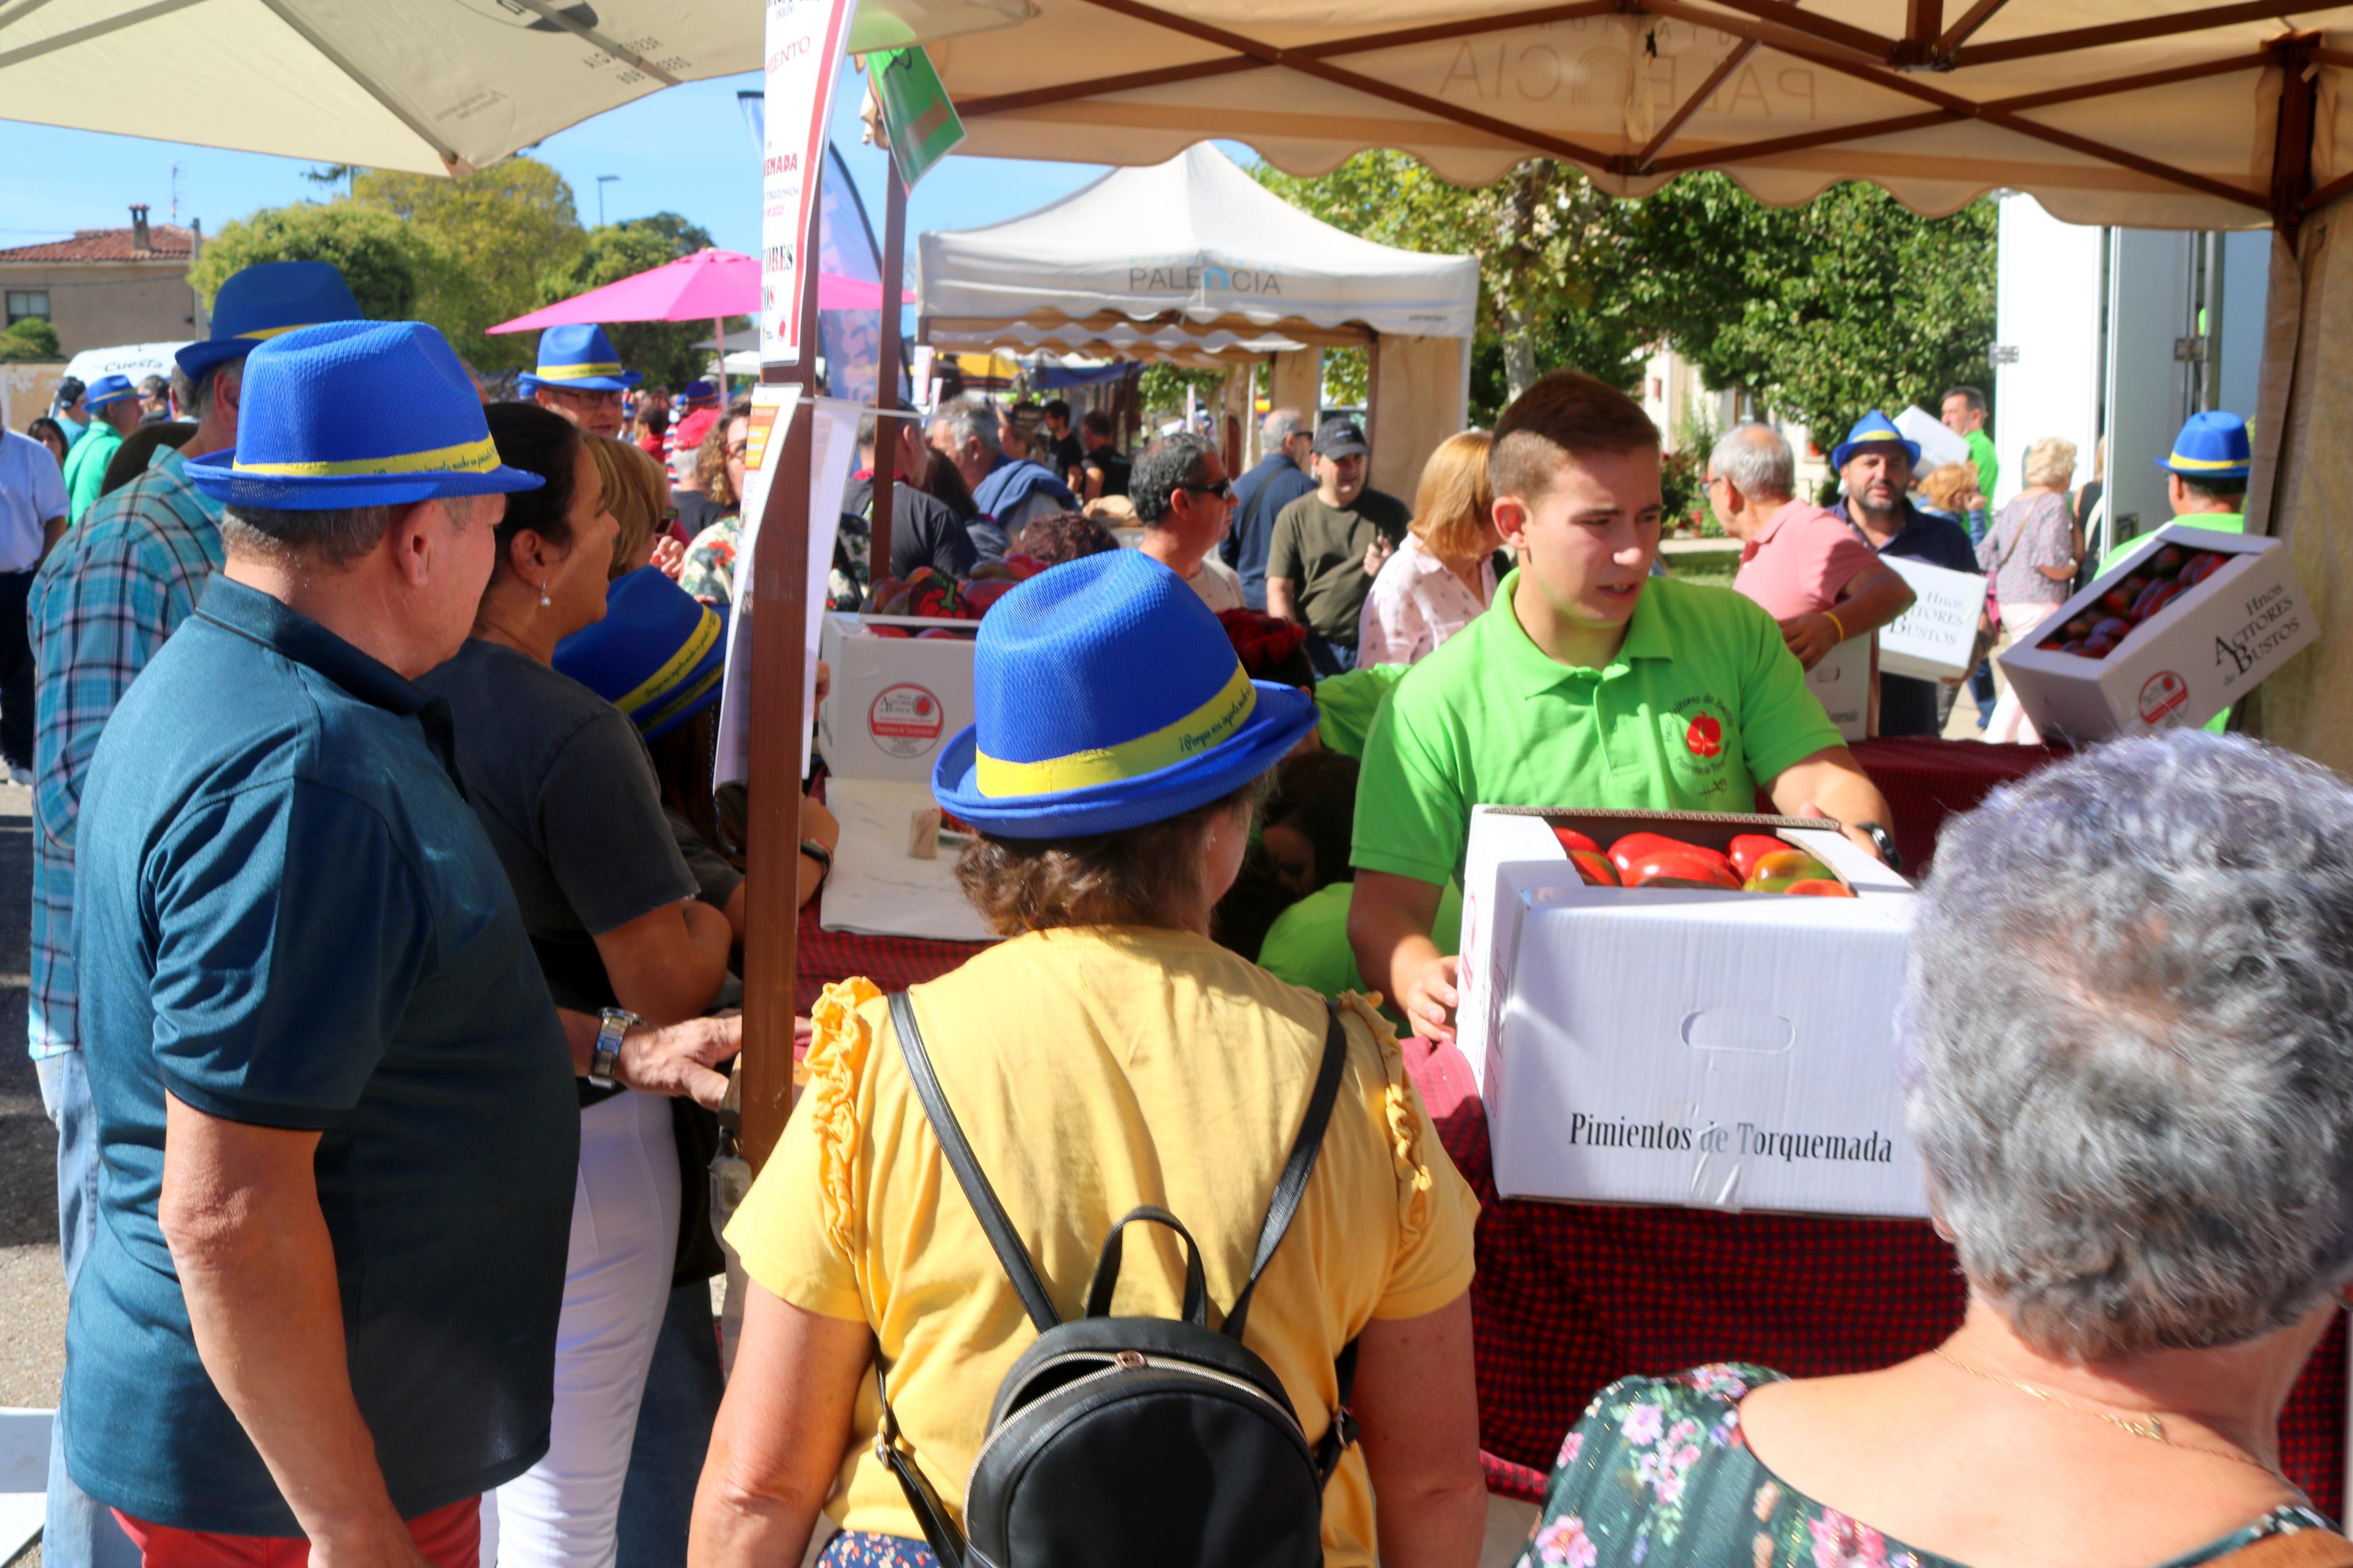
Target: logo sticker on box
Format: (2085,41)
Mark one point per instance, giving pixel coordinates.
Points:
(2164,693)
(905,721)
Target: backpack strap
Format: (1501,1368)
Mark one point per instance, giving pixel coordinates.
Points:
(1106,1280)
(932,1516)
(1292,1186)
(1010,1254)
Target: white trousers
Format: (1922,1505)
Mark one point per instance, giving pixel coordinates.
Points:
(561,1513)
(2009,722)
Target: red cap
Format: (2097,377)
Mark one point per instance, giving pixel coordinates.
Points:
(692,428)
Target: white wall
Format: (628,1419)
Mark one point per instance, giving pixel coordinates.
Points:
(2049,309)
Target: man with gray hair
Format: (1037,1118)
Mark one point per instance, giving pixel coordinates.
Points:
(1185,503)
(1010,490)
(1281,477)
(1812,572)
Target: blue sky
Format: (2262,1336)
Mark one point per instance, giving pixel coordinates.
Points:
(685,150)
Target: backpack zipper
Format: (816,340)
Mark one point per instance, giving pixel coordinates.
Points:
(1134,1360)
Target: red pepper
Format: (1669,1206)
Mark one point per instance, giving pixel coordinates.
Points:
(1632,845)
(1818,889)
(1572,840)
(1682,865)
(1750,848)
(1595,868)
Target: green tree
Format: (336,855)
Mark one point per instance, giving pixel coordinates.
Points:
(30,339)
(1827,311)
(376,255)
(664,350)
(484,243)
(1160,390)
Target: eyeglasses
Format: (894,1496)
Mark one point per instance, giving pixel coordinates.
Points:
(590,397)
(737,448)
(1223,490)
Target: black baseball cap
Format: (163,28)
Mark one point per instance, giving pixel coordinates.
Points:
(1340,437)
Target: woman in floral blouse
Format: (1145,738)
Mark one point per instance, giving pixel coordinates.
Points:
(1444,573)
(2129,1057)
(709,573)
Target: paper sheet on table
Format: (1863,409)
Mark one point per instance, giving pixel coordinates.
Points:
(836,449)
(876,889)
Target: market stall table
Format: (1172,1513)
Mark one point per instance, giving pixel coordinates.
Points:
(1571,1297)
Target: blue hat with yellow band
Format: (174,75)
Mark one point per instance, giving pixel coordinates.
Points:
(1106,696)
(579,359)
(108,389)
(2211,445)
(656,655)
(356,414)
(1874,429)
(264,301)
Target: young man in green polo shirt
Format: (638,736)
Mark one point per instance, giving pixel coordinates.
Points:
(1588,683)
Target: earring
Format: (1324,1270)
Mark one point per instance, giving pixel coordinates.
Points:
(543,600)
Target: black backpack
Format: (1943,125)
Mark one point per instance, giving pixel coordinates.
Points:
(1147,1442)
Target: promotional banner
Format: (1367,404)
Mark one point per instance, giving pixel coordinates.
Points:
(804,41)
(850,339)
(835,432)
(922,122)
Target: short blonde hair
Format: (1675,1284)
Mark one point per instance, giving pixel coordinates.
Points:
(636,492)
(1946,486)
(1454,505)
(2051,461)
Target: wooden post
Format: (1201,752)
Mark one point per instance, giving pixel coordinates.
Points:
(780,591)
(886,370)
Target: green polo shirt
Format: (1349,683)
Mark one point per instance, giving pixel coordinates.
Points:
(2220,523)
(1987,461)
(1702,703)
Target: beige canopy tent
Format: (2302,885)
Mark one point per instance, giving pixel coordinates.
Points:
(1190,259)
(2142,114)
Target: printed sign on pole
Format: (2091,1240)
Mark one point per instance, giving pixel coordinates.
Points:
(922,122)
(804,40)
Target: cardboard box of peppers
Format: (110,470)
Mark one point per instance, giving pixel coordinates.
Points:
(931,595)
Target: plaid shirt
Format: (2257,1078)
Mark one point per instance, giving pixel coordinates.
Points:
(117,584)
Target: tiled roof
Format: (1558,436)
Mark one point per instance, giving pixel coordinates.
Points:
(167,242)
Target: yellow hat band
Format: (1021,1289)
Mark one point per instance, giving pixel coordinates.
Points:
(575,371)
(1197,731)
(677,667)
(258,333)
(2179,461)
(467,458)
(681,702)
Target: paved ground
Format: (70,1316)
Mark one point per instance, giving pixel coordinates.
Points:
(32,1291)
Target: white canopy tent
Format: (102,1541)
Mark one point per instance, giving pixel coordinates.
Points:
(1193,261)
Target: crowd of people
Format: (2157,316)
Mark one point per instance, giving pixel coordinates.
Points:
(386,927)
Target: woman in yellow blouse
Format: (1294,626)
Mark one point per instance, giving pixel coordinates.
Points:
(1107,1053)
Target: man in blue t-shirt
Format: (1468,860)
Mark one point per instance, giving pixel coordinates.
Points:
(1259,496)
(334,1103)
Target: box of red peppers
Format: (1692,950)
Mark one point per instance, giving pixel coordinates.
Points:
(2185,625)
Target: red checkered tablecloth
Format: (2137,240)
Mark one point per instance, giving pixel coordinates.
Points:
(1570,1297)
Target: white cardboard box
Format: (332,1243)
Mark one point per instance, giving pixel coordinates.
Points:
(894,701)
(1841,680)
(2195,657)
(1705,1050)
(1934,638)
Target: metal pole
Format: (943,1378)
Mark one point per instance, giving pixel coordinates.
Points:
(780,590)
(886,371)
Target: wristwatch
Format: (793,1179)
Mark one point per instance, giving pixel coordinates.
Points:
(822,856)
(613,1023)
(1884,842)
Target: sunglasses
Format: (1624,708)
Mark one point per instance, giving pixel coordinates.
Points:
(1223,490)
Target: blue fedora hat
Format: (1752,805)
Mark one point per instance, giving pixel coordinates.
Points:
(1874,429)
(580,358)
(108,389)
(656,655)
(259,302)
(356,414)
(1106,696)
(2211,447)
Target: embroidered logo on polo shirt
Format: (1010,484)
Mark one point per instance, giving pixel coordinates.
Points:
(1705,736)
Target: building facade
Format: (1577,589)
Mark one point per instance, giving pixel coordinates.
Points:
(106,286)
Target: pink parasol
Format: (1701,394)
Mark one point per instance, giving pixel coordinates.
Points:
(703,287)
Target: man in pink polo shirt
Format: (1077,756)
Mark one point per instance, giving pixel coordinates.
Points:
(1810,571)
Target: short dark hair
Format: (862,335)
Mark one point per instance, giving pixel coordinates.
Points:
(1097,423)
(1976,397)
(1563,412)
(1316,795)
(2215,489)
(538,441)
(1166,465)
(1058,409)
(1060,536)
(1137,876)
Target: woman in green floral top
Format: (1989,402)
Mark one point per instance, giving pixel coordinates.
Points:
(2127,1039)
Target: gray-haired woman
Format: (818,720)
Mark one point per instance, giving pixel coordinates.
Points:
(2129,1037)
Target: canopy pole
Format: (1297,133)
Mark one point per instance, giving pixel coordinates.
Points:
(886,371)
(719,362)
(780,590)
